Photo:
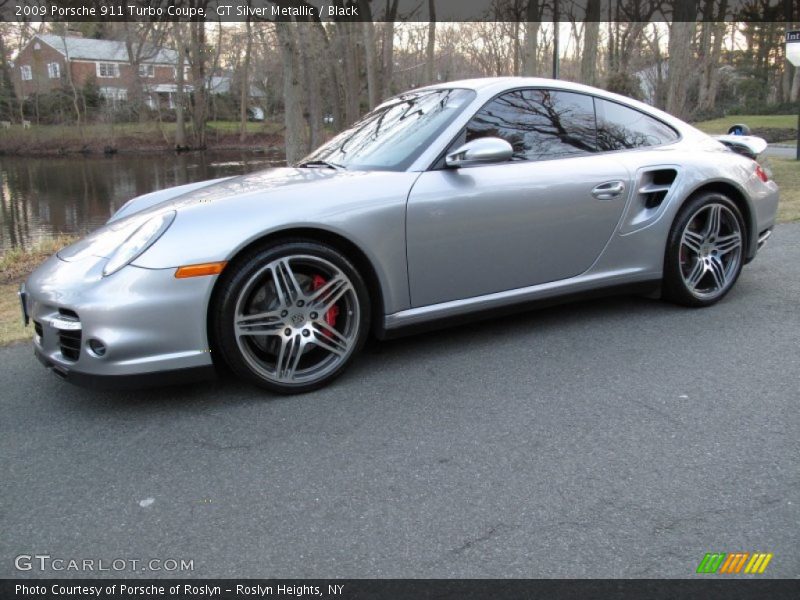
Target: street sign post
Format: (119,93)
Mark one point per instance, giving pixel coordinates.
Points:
(793,56)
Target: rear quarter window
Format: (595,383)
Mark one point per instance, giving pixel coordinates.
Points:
(622,128)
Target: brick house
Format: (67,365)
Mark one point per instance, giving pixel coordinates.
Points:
(41,67)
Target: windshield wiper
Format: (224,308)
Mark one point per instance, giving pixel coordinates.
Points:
(321,163)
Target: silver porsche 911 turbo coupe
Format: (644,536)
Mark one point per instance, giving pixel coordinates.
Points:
(446,202)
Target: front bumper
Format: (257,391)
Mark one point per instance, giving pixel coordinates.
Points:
(145,321)
(128,382)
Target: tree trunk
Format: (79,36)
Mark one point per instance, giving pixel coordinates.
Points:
(351,84)
(295,128)
(430,68)
(388,50)
(711,50)
(180,123)
(244,93)
(530,66)
(312,90)
(369,57)
(681,63)
(75,103)
(197,51)
(6,85)
(591,35)
(370,53)
(336,79)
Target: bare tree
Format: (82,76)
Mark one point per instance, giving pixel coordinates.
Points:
(370,52)
(530,55)
(244,92)
(180,122)
(710,51)
(142,41)
(388,48)
(429,53)
(681,54)
(591,36)
(198,58)
(295,128)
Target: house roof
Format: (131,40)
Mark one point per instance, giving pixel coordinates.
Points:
(221,84)
(89,49)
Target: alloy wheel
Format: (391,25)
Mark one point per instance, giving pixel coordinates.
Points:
(711,251)
(297,319)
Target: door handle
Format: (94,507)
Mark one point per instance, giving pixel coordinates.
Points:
(608,190)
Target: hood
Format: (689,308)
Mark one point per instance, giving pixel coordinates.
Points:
(102,242)
(219,189)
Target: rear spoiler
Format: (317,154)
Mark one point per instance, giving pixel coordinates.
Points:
(748,145)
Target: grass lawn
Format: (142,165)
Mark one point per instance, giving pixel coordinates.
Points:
(786,173)
(11,328)
(124,136)
(15,265)
(720,126)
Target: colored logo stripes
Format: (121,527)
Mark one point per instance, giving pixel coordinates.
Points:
(734,562)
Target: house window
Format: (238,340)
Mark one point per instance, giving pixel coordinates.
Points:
(25,72)
(107,70)
(113,95)
(186,72)
(147,71)
(53,70)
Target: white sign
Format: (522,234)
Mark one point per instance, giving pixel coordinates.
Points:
(793,47)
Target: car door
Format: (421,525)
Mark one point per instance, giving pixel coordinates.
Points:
(544,216)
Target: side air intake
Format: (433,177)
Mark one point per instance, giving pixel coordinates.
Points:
(654,185)
(651,189)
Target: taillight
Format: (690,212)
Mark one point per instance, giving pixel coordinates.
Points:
(762,174)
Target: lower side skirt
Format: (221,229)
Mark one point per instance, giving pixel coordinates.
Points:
(650,289)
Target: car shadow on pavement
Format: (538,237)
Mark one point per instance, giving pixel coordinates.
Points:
(407,353)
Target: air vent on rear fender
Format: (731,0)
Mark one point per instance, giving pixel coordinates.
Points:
(652,187)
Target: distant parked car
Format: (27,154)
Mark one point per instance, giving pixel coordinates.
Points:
(444,202)
(255,114)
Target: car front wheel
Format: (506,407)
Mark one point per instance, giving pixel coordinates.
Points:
(291,317)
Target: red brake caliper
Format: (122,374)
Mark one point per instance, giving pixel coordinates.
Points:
(330,317)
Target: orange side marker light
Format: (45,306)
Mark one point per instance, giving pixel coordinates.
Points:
(200,270)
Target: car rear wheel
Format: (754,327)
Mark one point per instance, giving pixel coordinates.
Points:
(705,251)
(291,317)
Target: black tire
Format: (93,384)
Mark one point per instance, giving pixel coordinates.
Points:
(682,265)
(302,338)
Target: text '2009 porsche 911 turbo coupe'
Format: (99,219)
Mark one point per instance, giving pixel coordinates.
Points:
(445,202)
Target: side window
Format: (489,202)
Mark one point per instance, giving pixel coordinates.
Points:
(620,127)
(539,124)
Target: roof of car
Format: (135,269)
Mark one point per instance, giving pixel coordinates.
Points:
(487,87)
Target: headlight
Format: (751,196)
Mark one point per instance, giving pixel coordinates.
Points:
(139,241)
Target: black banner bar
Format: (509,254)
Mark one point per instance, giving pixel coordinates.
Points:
(406,10)
(400,589)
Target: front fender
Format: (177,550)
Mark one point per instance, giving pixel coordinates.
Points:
(368,209)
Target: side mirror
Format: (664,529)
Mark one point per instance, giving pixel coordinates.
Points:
(478,152)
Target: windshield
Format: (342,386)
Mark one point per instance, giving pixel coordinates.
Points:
(393,135)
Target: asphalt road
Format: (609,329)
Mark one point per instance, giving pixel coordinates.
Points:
(782,151)
(621,437)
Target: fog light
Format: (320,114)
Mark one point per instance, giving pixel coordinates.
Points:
(97,347)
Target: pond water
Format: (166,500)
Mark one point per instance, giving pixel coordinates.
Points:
(42,197)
